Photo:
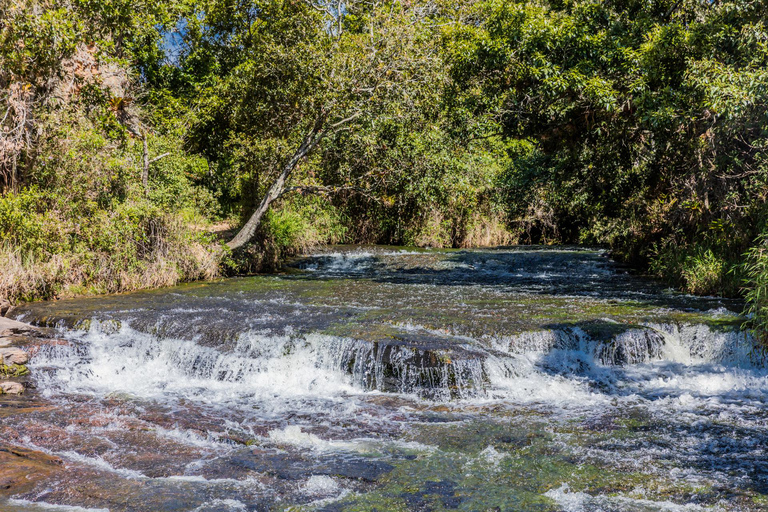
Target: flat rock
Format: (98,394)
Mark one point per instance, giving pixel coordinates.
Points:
(13,355)
(21,468)
(9,327)
(298,466)
(11,388)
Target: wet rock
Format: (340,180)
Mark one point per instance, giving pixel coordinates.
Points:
(11,388)
(443,491)
(298,466)
(10,327)
(21,468)
(434,366)
(11,355)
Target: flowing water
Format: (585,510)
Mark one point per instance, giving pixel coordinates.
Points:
(389,379)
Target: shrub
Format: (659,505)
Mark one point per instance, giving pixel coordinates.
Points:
(704,273)
(755,270)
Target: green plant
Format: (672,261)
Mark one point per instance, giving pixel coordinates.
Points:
(755,269)
(704,273)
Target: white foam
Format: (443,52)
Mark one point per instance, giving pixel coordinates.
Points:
(583,502)
(492,456)
(100,463)
(342,262)
(32,506)
(320,485)
(292,435)
(143,365)
(250,483)
(219,504)
(188,437)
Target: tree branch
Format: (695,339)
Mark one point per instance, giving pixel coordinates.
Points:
(159,157)
(345,121)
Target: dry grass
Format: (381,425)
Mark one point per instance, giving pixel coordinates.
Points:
(488,232)
(25,278)
(479,231)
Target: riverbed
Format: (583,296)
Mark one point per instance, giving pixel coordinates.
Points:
(381,378)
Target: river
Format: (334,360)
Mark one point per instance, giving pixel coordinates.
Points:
(376,378)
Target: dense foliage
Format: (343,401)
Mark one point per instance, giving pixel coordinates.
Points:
(641,125)
(130,130)
(75,215)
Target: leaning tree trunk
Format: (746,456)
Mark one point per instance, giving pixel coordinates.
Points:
(249,229)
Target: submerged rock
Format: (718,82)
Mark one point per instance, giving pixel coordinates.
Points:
(11,388)
(433,366)
(21,468)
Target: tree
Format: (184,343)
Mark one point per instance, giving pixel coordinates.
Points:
(635,124)
(51,50)
(303,73)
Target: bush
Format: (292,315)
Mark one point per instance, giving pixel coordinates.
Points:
(756,280)
(85,225)
(128,249)
(707,268)
(303,223)
(29,226)
(704,273)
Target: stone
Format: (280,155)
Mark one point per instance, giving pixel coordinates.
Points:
(21,469)
(5,342)
(13,355)
(10,327)
(11,388)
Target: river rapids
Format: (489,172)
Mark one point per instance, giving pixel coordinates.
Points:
(373,378)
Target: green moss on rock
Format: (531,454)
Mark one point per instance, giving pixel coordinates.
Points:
(13,370)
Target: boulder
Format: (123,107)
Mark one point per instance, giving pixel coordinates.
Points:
(11,388)
(13,355)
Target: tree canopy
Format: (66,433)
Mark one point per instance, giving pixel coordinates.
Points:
(640,126)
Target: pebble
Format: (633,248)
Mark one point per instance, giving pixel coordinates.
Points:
(11,388)
(13,356)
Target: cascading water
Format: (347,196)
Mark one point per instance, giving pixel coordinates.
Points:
(520,379)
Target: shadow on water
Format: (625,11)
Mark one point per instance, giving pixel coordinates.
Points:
(556,271)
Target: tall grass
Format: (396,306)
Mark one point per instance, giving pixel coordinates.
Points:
(174,255)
